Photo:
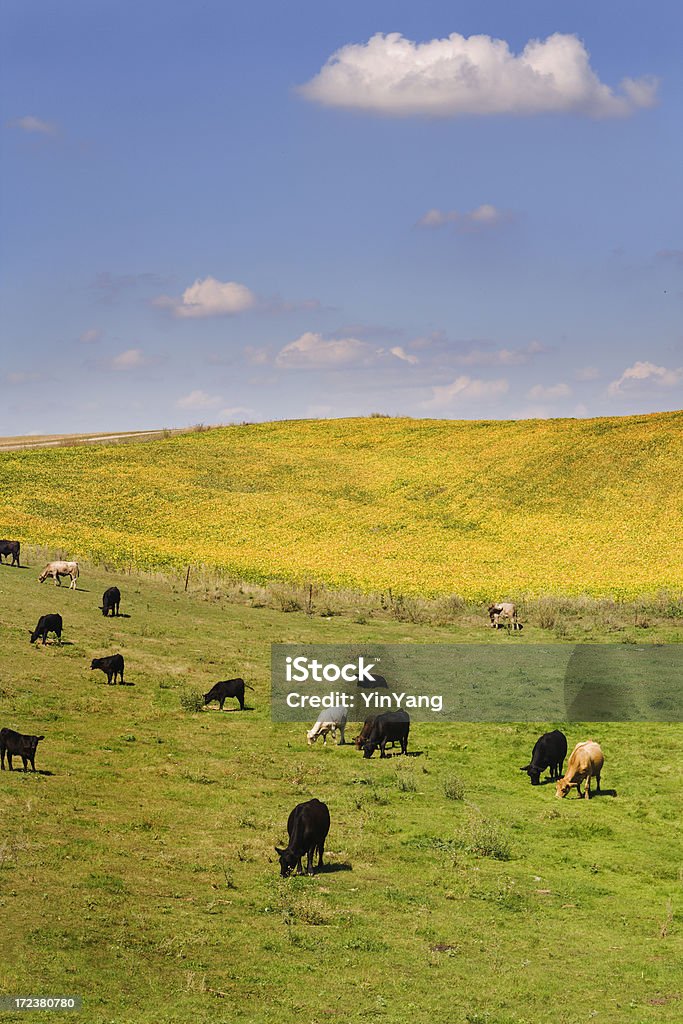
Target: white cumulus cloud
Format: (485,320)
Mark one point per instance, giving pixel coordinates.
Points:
(312,350)
(131,359)
(209,297)
(401,353)
(34,125)
(462,75)
(90,336)
(466,388)
(485,216)
(645,373)
(548,393)
(198,399)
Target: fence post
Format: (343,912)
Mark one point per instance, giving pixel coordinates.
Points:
(187,577)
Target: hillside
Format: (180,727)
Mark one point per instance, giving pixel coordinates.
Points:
(481,509)
(137,866)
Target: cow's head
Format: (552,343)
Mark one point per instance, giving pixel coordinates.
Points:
(312,736)
(34,634)
(369,749)
(94,664)
(288,861)
(563,788)
(533,773)
(33,742)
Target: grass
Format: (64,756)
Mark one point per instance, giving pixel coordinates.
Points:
(137,868)
(428,508)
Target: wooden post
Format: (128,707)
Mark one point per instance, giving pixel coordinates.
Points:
(310,598)
(187,577)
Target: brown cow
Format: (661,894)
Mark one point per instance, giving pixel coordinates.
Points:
(585,762)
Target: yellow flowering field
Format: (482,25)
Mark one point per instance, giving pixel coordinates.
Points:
(476,508)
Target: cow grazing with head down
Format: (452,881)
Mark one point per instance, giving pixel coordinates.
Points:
(14,744)
(47,624)
(585,763)
(10,549)
(504,610)
(307,827)
(58,569)
(362,737)
(329,720)
(392,725)
(549,751)
(111,600)
(227,688)
(112,666)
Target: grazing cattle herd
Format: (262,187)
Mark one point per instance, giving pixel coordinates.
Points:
(309,823)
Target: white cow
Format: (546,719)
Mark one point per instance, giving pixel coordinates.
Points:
(329,720)
(57,569)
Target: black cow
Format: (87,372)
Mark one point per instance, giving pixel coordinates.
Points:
(393,725)
(10,547)
(307,827)
(111,666)
(15,745)
(47,624)
(110,601)
(549,751)
(375,680)
(227,688)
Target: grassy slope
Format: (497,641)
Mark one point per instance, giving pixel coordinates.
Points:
(140,873)
(423,506)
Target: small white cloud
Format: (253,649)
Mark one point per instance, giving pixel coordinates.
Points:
(34,125)
(314,351)
(500,356)
(22,377)
(485,216)
(90,336)
(209,298)
(131,359)
(543,393)
(587,373)
(199,400)
(467,389)
(645,374)
(460,75)
(235,412)
(401,353)
(256,356)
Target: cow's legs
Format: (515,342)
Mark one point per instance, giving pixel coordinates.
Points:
(309,860)
(32,759)
(404,745)
(341,731)
(58,580)
(382,748)
(587,794)
(597,782)
(25,760)
(321,847)
(2,758)
(9,761)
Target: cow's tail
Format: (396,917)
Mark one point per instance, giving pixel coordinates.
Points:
(248,686)
(77,573)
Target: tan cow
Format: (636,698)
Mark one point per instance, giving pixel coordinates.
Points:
(504,610)
(57,569)
(585,762)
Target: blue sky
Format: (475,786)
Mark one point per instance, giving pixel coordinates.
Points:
(214,213)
